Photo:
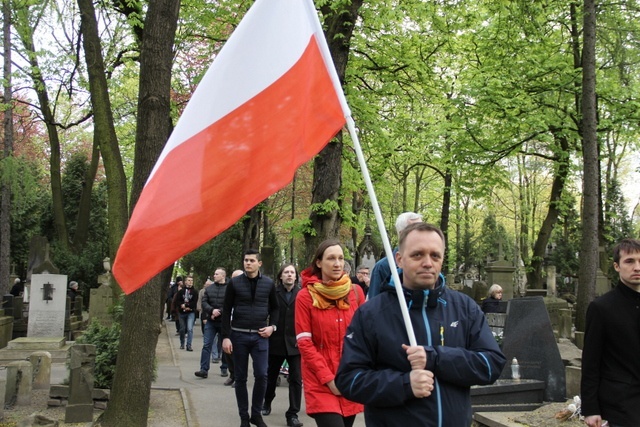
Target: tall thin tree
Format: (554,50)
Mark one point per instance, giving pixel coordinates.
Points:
(590,187)
(5,205)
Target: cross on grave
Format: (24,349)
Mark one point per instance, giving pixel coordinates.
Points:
(500,254)
(47,292)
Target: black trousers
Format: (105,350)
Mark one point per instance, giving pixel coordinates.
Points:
(295,382)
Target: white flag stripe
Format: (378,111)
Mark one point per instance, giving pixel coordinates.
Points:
(269,25)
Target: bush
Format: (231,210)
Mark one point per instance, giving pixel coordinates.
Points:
(106,340)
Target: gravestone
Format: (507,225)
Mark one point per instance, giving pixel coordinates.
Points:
(502,273)
(41,369)
(19,381)
(528,336)
(47,306)
(551,281)
(82,361)
(100,302)
(554,305)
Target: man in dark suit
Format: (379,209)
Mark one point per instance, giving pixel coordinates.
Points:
(283,346)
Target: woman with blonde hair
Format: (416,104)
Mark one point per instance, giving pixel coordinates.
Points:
(492,302)
(324,308)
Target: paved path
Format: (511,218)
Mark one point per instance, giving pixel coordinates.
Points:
(208,402)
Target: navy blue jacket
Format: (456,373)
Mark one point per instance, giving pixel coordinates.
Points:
(461,352)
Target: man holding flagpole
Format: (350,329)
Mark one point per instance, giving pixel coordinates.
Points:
(426,384)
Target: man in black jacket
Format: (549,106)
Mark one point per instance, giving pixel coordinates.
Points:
(610,386)
(283,346)
(212,301)
(252,298)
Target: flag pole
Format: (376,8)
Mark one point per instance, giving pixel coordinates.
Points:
(383,231)
(324,49)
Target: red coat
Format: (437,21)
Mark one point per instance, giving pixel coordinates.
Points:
(322,349)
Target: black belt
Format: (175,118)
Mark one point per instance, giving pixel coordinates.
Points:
(251,331)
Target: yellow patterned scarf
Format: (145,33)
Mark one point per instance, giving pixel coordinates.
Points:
(328,294)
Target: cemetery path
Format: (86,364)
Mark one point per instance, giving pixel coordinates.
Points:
(208,402)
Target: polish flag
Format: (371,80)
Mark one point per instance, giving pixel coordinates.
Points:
(270,102)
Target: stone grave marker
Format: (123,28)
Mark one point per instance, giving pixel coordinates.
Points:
(554,305)
(47,305)
(528,336)
(19,382)
(41,369)
(101,300)
(82,361)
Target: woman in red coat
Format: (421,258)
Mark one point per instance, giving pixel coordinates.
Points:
(324,308)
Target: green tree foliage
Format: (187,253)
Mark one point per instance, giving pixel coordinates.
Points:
(225,250)
(83,266)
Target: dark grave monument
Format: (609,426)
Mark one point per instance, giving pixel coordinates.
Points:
(528,336)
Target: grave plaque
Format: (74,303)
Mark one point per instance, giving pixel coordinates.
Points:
(47,305)
(528,336)
(100,303)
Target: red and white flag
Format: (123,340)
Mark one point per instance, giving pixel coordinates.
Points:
(270,101)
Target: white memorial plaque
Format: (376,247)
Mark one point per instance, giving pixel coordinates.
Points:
(47,305)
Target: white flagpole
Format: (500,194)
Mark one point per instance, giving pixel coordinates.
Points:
(324,49)
(383,231)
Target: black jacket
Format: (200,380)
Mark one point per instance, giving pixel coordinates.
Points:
(610,384)
(461,352)
(213,298)
(251,310)
(188,297)
(283,341)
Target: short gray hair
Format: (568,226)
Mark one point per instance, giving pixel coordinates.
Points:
(404,220)
(494,288)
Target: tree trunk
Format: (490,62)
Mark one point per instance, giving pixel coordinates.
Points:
(327,175)
(5,206)
(445,214)
(104,133)
(589,244)
(129,403)
(84,208)
(251,229)
(26,36)
(534,274)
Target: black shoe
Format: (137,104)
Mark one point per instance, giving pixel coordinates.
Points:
(189,348)
(181,346)
(294,422)
(258,421)
(244,423)
(202,374)
(266,409)
(216,360)
(224,373)
(229,381)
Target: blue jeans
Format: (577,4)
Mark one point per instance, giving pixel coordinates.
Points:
(186,326)
(217,351)
(245,344)
(210,332)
